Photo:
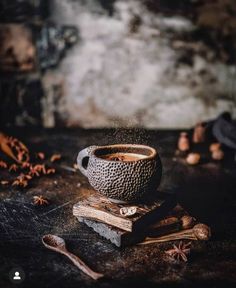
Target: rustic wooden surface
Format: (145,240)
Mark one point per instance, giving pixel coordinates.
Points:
(207,192)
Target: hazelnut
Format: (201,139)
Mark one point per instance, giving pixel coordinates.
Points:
(183,142)
(217,155)
(214,147)
(193,158)
(187,222)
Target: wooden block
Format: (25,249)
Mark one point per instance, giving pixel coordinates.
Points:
(99,208)
(117,236)
(123,238)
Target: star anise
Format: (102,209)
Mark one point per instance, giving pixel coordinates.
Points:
(13,167)
(40,168)
(3,164)
(34,171)
(25,165)
(16,150)
(39,200)
(179,252)
(22,180)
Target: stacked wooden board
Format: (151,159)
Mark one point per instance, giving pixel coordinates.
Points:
(105,217)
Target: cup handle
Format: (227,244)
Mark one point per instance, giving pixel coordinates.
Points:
(83,154)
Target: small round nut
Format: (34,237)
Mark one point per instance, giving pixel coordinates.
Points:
(217,155)
(187,222)
(202,231)
(183,142)
(214,147)
(193,158)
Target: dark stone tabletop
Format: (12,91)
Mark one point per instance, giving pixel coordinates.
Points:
(207,191)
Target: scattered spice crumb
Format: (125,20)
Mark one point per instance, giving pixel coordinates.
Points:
(55,157)
(40,201)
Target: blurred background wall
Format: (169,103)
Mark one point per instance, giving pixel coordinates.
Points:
(98,63)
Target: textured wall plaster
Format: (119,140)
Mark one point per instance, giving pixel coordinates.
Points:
(120,76)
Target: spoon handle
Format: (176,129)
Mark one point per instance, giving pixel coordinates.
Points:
(82,266)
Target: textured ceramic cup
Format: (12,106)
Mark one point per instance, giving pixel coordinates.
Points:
(121,178)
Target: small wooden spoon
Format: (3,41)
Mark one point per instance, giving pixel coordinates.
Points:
(58,244)
(198,232)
